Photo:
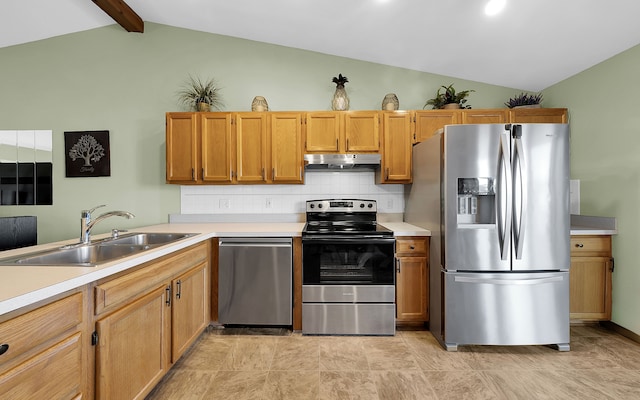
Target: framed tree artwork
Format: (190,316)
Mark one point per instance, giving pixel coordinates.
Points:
(87,154)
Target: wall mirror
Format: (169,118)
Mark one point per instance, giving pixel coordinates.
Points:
(26,167)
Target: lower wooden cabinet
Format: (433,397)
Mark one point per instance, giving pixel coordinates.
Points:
(43,352)
(590,278)
(146,319)
(132,353)
(412,279)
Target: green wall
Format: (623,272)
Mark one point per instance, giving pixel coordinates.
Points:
(124,82)
(605,156)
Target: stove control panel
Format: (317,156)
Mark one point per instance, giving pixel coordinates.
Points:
(344,205)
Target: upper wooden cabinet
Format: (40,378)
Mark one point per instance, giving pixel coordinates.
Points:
(342,132)
(251,147)
(183,146)
(489,116)
(538,115)
(396,147)
(227,148)
(218,147)
(287,165)
(427,122)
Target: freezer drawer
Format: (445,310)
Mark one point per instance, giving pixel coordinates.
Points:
(506,309)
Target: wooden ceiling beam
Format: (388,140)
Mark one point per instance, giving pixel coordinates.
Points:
(122,14)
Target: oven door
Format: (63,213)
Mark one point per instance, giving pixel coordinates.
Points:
(348,261)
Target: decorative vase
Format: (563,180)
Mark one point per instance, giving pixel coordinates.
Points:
(451,106)
(204,107)
(390,102)
(340,100)
(259,104)
(529,106)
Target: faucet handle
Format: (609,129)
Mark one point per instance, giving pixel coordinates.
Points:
(86,213)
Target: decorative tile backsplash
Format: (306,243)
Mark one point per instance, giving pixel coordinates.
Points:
(283,199)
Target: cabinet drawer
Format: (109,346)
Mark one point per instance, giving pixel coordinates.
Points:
(591,246)
(56,373)
(411,246)
(26,333)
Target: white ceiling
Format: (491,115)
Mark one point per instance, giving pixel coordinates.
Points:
(531,45)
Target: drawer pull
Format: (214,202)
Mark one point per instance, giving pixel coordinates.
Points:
(412,247)
(579,245)
(3,348)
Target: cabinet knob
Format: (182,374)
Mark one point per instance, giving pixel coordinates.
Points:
(580,245)
(412,247)
(3,348)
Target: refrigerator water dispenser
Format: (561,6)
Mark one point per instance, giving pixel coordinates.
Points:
(476,201)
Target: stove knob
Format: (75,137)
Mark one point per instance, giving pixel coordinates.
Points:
(361,205)
(370,205)
(312,205)
(320,205)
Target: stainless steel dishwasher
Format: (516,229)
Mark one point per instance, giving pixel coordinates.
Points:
(255,281)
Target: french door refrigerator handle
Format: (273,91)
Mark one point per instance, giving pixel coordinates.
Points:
(519,219)
(504,211)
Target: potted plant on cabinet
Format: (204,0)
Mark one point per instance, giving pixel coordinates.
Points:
(525,100)
(449,98)
(200,95)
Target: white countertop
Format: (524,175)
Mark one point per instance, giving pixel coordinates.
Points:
(23,285)
(405,229)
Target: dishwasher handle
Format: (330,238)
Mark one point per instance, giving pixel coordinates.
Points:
(255,242)
(250,244)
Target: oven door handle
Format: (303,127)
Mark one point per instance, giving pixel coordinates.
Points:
(360,239)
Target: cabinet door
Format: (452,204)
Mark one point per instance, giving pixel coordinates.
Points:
(497,116)
(190,309)
(182,147)
(218,157)
(133,347)
(286,148)
(427,122)
(412,289)
(55,373)
(538,115)
(362,132)
(590,288)
(396,148)
(251,143)
(322,132)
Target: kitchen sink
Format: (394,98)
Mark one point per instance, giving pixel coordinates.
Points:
(150,239)
(98,252)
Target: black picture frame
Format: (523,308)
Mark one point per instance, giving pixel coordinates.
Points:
(87,154)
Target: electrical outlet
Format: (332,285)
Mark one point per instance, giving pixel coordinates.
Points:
(268,202)
(224,203)
(389,204)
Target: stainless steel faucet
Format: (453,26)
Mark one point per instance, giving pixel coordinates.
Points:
(86,223)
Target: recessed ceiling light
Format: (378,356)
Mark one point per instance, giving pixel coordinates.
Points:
(493,7)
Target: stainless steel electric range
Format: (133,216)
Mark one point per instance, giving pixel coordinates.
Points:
(348,284)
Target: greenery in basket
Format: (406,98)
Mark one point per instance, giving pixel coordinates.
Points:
(197,91)
(524,99)
(449,96)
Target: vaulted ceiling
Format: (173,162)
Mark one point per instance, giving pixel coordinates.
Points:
(531,45)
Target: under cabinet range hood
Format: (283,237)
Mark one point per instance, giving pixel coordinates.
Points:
(341,161)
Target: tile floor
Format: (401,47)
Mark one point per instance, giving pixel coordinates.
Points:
(411,365)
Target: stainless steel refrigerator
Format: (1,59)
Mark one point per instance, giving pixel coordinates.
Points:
(496,200)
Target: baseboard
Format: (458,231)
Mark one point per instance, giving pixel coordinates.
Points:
(622,331)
